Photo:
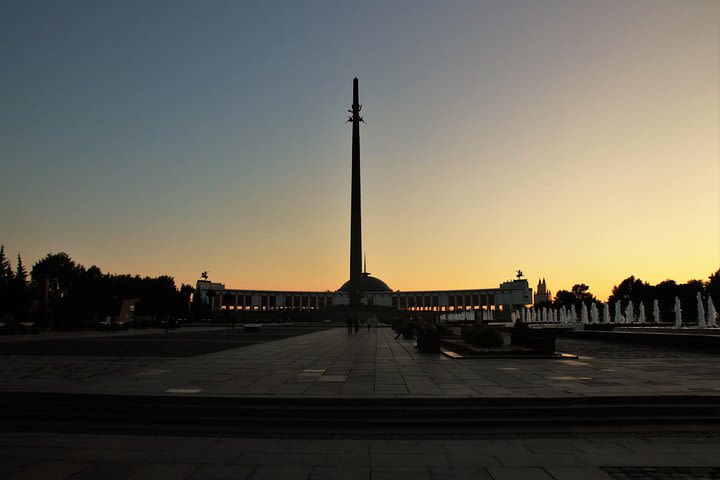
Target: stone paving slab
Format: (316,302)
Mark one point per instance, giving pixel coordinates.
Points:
(331,363)
(368,365)
(85,456)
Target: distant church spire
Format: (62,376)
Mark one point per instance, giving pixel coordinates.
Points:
(543,294)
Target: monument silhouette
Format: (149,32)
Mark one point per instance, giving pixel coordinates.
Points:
(355,207)
(362,290)
(360,282)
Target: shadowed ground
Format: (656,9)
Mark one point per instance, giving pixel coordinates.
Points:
(231,390)
(179,343)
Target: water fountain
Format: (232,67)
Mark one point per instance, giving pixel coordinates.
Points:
(656,311)
(641,313)
(618,315)
(594,313)
(606,312)
(629,314)
(700,311)
(711,313)
(584,315)
(555,316)
(678,313)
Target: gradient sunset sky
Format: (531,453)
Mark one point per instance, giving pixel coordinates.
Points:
(575,140)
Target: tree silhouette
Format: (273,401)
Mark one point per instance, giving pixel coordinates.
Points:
(21,273)
(6,276)
(579,294)
(6,273)
(20,292)
(60,272)
(713,287)
(582,294)
(186,292)
(563,298)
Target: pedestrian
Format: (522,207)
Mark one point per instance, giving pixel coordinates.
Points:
(369,323)
(349,323)
(356,324)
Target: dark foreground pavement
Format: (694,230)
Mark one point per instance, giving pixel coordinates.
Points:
(331,405)
(582,456)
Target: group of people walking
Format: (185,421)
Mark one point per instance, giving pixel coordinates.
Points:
(353,324)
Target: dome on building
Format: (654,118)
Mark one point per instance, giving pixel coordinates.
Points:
(367,284)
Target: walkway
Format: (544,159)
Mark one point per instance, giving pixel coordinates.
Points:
(332,363)
(570,457)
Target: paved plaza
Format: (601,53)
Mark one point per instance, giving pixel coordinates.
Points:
(566,457)
(329,363)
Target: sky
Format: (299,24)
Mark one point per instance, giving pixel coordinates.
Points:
(578,141)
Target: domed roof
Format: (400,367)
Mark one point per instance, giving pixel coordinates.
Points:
(367,284)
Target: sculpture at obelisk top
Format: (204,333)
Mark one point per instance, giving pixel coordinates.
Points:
(355,216)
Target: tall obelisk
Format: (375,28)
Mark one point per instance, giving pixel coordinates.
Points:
(355,217)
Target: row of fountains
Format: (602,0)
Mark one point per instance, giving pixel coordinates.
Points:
(705,317)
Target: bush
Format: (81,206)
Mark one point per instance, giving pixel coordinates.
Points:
(444,330)
(428,338)
(485,337)
(466,333)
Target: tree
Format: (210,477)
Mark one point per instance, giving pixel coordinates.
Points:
(563,298)
(713,287)
(20,292)
(6,276)
(665,293)
(21,273)
(582,294)
(578,294)
(62,277)
(6,272)
(60,271)
(186,292)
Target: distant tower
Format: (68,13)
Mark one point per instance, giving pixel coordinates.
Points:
(543,294)
(355,217)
